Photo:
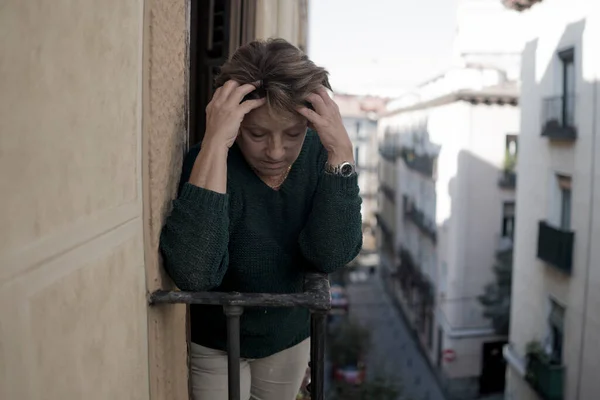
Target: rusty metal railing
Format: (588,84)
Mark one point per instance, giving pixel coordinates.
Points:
(315,297)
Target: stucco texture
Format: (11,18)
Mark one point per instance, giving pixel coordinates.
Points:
(164,140)
(73,319)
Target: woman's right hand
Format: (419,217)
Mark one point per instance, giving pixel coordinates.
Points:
(225,113)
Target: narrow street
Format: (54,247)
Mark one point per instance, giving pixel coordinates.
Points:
(394,352)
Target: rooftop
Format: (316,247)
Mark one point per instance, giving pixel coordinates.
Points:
(519,5)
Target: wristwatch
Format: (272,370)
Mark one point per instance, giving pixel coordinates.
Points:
(344,169)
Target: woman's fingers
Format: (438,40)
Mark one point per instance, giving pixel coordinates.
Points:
(318,103)
(250,105)
(241,91)
(322,92)
(310,115)
(227,88)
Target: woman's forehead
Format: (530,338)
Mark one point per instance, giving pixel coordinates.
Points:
(273,121)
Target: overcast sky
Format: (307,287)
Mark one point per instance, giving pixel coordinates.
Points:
(381,46)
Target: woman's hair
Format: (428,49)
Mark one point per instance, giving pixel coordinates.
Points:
(282,72)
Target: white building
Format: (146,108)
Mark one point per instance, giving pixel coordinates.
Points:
(555,319)
(452,201)
(447,199)
(360,114)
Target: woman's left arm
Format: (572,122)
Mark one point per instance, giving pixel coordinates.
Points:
(332,236)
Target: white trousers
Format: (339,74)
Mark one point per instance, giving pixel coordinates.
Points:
(277,377)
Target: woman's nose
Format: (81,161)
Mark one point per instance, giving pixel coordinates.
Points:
(275,150)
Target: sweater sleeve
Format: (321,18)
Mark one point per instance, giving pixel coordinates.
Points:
(195,237)
(332,236)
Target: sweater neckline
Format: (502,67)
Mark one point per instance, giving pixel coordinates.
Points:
(289,180)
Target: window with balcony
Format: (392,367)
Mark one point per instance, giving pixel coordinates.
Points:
(508,219)
(508,176)
(564,184)
(556,322)
(558,112)
(555,238)
(545,370)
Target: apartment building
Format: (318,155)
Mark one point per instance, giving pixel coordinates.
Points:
(447,199)
(555,318)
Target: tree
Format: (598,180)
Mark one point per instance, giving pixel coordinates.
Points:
(496,296)
(380,388)
(348,344)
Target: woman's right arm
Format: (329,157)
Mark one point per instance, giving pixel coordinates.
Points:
(195,238)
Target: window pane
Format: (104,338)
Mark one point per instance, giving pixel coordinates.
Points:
(565,217)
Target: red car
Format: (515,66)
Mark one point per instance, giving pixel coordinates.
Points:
(339,300)
(350,374)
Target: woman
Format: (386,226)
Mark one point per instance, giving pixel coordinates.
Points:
(263,201)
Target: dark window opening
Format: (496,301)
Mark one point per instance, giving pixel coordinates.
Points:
(508,219)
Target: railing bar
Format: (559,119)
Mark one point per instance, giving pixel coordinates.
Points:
(309,300)
(233,314)
(317,355)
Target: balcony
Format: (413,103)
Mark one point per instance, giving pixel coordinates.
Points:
(388,192)
(555,246)
(558,118)
(545,378)
(389,152)
(423,164)
(418,218)
(507,180)
(316,297)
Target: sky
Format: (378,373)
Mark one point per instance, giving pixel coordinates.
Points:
(381,47)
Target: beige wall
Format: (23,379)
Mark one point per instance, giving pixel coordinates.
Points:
(72,282)
(165,85)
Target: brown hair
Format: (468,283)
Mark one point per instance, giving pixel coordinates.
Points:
(284,73)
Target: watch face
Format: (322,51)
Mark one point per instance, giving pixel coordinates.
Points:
(347,169)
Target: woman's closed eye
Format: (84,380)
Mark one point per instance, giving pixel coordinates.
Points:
(256,134)
(295,134)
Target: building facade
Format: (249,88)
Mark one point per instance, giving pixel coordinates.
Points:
(453,194)
(447,197)
(97,108)
(555,319)
(360,114)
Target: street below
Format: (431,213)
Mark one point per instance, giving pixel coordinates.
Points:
(393,352)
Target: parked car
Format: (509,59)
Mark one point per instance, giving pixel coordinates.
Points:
(353,374)
(339,300)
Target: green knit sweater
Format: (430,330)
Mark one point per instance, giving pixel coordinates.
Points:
(257,240)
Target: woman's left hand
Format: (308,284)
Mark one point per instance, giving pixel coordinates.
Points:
(327,121)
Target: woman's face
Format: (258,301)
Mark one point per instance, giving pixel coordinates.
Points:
(270,142)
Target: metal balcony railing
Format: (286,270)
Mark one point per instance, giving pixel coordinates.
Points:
(423,164)
(388,192)
(558,118)
(555,246)
(545,378)
(316,298)
(508,179)
(389,152)
(418,218)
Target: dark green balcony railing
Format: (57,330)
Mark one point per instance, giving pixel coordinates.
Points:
(555,246)
(388,192)
(558,118)
(389,152)
(545,378)
(423,164)
(417,217)
(507,180)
